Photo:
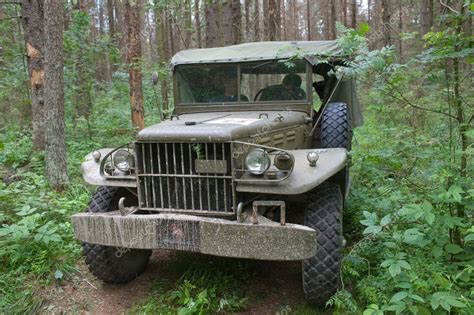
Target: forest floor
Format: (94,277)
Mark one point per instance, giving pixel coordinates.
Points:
(273,288)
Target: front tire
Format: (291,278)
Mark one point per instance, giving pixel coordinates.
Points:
(108,263)
(321,272)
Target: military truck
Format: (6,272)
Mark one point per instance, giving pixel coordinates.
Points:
(252,163)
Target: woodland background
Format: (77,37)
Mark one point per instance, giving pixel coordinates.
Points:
(408,220)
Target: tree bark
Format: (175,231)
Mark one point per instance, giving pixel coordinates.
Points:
(231,23)
(426,16)
(385,8)
(354,14)
(257,29)
(111,18)
(132,16)
(162,52)
(330,20)
(273,23)
(197,23)
(187,23)
(55,157)
(212,24)
(308,18)
(33,19)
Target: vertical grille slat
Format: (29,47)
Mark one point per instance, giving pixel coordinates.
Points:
(169,179)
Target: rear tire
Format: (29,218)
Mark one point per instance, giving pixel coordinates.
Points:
(108,263)
(321,272)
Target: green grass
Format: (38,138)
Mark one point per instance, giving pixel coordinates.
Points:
(204,285)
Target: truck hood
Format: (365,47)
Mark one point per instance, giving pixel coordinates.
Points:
(221,126)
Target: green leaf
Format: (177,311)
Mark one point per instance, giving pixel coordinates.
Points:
(453,248)
(404,264)
(403,285)
(363,29)
(469,238)
(455,193)
(416,298)
(372,230)
(394,270)
(437,251)
(398,296)
(386,220)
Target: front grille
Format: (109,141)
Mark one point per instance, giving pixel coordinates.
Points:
(185,177)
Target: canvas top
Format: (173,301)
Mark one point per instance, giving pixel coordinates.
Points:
(309,50)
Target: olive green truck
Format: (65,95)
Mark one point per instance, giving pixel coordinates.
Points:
(252,163)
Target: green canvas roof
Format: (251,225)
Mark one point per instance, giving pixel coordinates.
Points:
(259,51)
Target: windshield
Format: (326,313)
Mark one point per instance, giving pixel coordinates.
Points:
(265,81)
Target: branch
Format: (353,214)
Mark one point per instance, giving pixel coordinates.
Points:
(404,99)
(448,7)
(11,18)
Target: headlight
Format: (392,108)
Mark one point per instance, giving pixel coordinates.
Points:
(123,160)
(257,161)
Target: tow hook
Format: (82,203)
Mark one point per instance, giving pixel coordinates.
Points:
(268,203)
(124,211)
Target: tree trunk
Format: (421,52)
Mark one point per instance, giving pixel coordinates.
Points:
(247,5)
(284,31)
(354,14)
(385,8)
(132,16)
(236,10)
(330,20)
(400,29)
(257,28)
(369,11)
(163,56)
(274,32)
(33,19)
(231,24)
(187,23)
(308,17)
(55,157)
(426,16)
(197,23)
(111,18)
(212,24)
(344,8)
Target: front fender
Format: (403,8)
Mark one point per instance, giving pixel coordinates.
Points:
(304,177)
(91,172)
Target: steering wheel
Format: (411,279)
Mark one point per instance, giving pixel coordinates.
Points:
(258,94)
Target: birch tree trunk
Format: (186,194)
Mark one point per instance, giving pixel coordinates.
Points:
(55,157)
(32,13)
(134,55)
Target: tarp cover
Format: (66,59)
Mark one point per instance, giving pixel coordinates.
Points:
(259,51)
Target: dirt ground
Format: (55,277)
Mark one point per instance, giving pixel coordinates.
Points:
(275,288)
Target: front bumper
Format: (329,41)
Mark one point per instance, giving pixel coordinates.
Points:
(267,240)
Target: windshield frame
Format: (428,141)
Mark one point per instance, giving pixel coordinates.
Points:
(303,105)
